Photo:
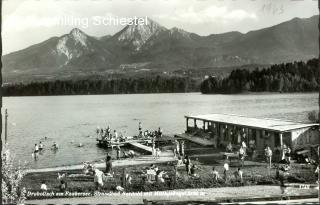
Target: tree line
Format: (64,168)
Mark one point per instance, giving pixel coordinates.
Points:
(157,84)
(286,77)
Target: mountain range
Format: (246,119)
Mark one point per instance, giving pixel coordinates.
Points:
(154,47)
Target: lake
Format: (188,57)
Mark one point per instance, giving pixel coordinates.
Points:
(70,120)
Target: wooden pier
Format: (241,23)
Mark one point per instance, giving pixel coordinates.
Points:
(140,144)
(141,147)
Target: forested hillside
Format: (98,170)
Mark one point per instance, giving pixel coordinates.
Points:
(288,77)
(157,84)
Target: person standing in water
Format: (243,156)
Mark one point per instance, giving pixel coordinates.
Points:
(36,151)
(40,146)
(36,148)
(55,146)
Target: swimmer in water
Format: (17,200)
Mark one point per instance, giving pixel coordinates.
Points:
(55,146)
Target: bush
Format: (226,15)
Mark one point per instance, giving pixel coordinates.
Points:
(12,191)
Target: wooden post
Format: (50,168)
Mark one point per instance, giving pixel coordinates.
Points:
(6,127)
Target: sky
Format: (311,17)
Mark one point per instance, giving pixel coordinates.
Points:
(27,22)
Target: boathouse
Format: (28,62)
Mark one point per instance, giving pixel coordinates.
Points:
(227,128)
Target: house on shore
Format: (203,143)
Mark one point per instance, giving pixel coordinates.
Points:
(227,128)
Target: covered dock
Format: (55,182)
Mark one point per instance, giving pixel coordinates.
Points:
(235,129)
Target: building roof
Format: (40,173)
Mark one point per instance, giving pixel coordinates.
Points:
(264,123)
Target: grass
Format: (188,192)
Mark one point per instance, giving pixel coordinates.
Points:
(254,174)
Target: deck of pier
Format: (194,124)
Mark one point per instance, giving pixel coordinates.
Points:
(197,140)
(141,146)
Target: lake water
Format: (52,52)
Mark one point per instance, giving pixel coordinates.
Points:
(69,120)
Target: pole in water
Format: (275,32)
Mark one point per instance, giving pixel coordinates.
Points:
(6,127)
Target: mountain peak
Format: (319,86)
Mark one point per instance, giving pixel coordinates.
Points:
(137,35)
(78,36)
(76,30)
(178,31)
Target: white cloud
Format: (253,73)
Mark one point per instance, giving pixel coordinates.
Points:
(209,14)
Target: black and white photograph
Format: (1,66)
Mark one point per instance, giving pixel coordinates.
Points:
(160,102)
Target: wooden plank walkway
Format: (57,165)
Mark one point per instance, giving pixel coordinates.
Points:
(141,146)
(197,140)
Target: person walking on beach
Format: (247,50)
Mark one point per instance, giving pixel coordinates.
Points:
(187,162)
(268,154)
(225,170)
(108,165)
(118,152)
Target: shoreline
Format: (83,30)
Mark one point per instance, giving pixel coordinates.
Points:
(164,93)
(144,159)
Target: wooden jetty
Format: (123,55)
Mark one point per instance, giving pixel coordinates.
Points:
(142,147)
(140,144)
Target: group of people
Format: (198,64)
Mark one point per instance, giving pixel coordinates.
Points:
(125,154)
(285,154)
(62,185)
(191,169)
(38,148)
(149,134)
(108,134)
(242,151)
(153,173)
